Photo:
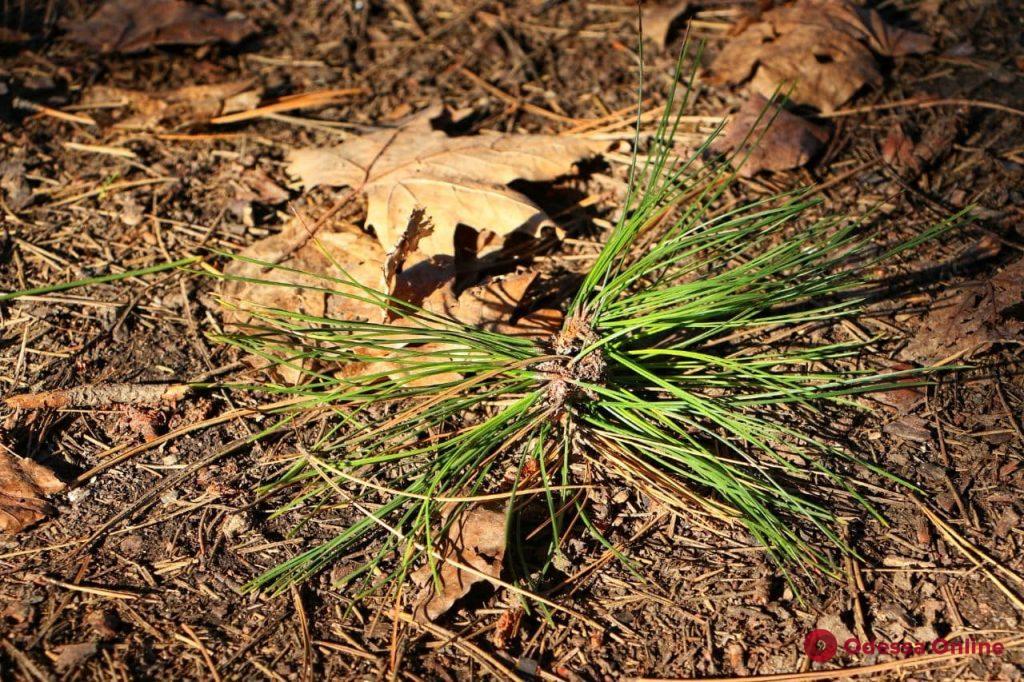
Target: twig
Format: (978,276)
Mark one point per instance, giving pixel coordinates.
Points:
(115,187)
(85,589)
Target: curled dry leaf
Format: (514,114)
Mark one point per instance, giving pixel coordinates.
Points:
(982,312)
(774,138)
(493,305)
(136,25)
(23,487)
(476,538)
(659,17)
(819,48)
(181,106)
(458,180)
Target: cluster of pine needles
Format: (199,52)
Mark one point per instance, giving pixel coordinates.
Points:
(659,377)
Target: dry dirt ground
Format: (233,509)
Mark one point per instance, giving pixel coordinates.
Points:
(137,573)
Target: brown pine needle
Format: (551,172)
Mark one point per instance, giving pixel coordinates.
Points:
(319,98)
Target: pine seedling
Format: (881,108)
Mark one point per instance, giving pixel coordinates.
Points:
(675,369)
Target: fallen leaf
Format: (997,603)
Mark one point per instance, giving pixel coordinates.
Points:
(886,39)
(181,106)
(339,250)
(489,305)
(659,17)
(905,398)
(136,25)
(457,180)
(70,656)
(23,485)
(476,538)
(774,138)
(816,51)
(983,312)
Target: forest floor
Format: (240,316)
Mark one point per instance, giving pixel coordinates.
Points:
(137,569)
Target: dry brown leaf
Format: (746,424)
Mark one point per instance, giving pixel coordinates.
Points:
(136,25)
(181,106)
(815,47)
(658,18)
(476,539)
(983,312)
(778,141)
(338,250)
(457,180)
(343,251)
(23,487)
(489,306)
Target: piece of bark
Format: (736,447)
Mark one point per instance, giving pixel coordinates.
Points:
(99,395)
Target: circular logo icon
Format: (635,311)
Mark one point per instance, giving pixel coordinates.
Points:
(820,645)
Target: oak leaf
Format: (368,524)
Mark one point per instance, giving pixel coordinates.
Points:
(821,49)
(457,179)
